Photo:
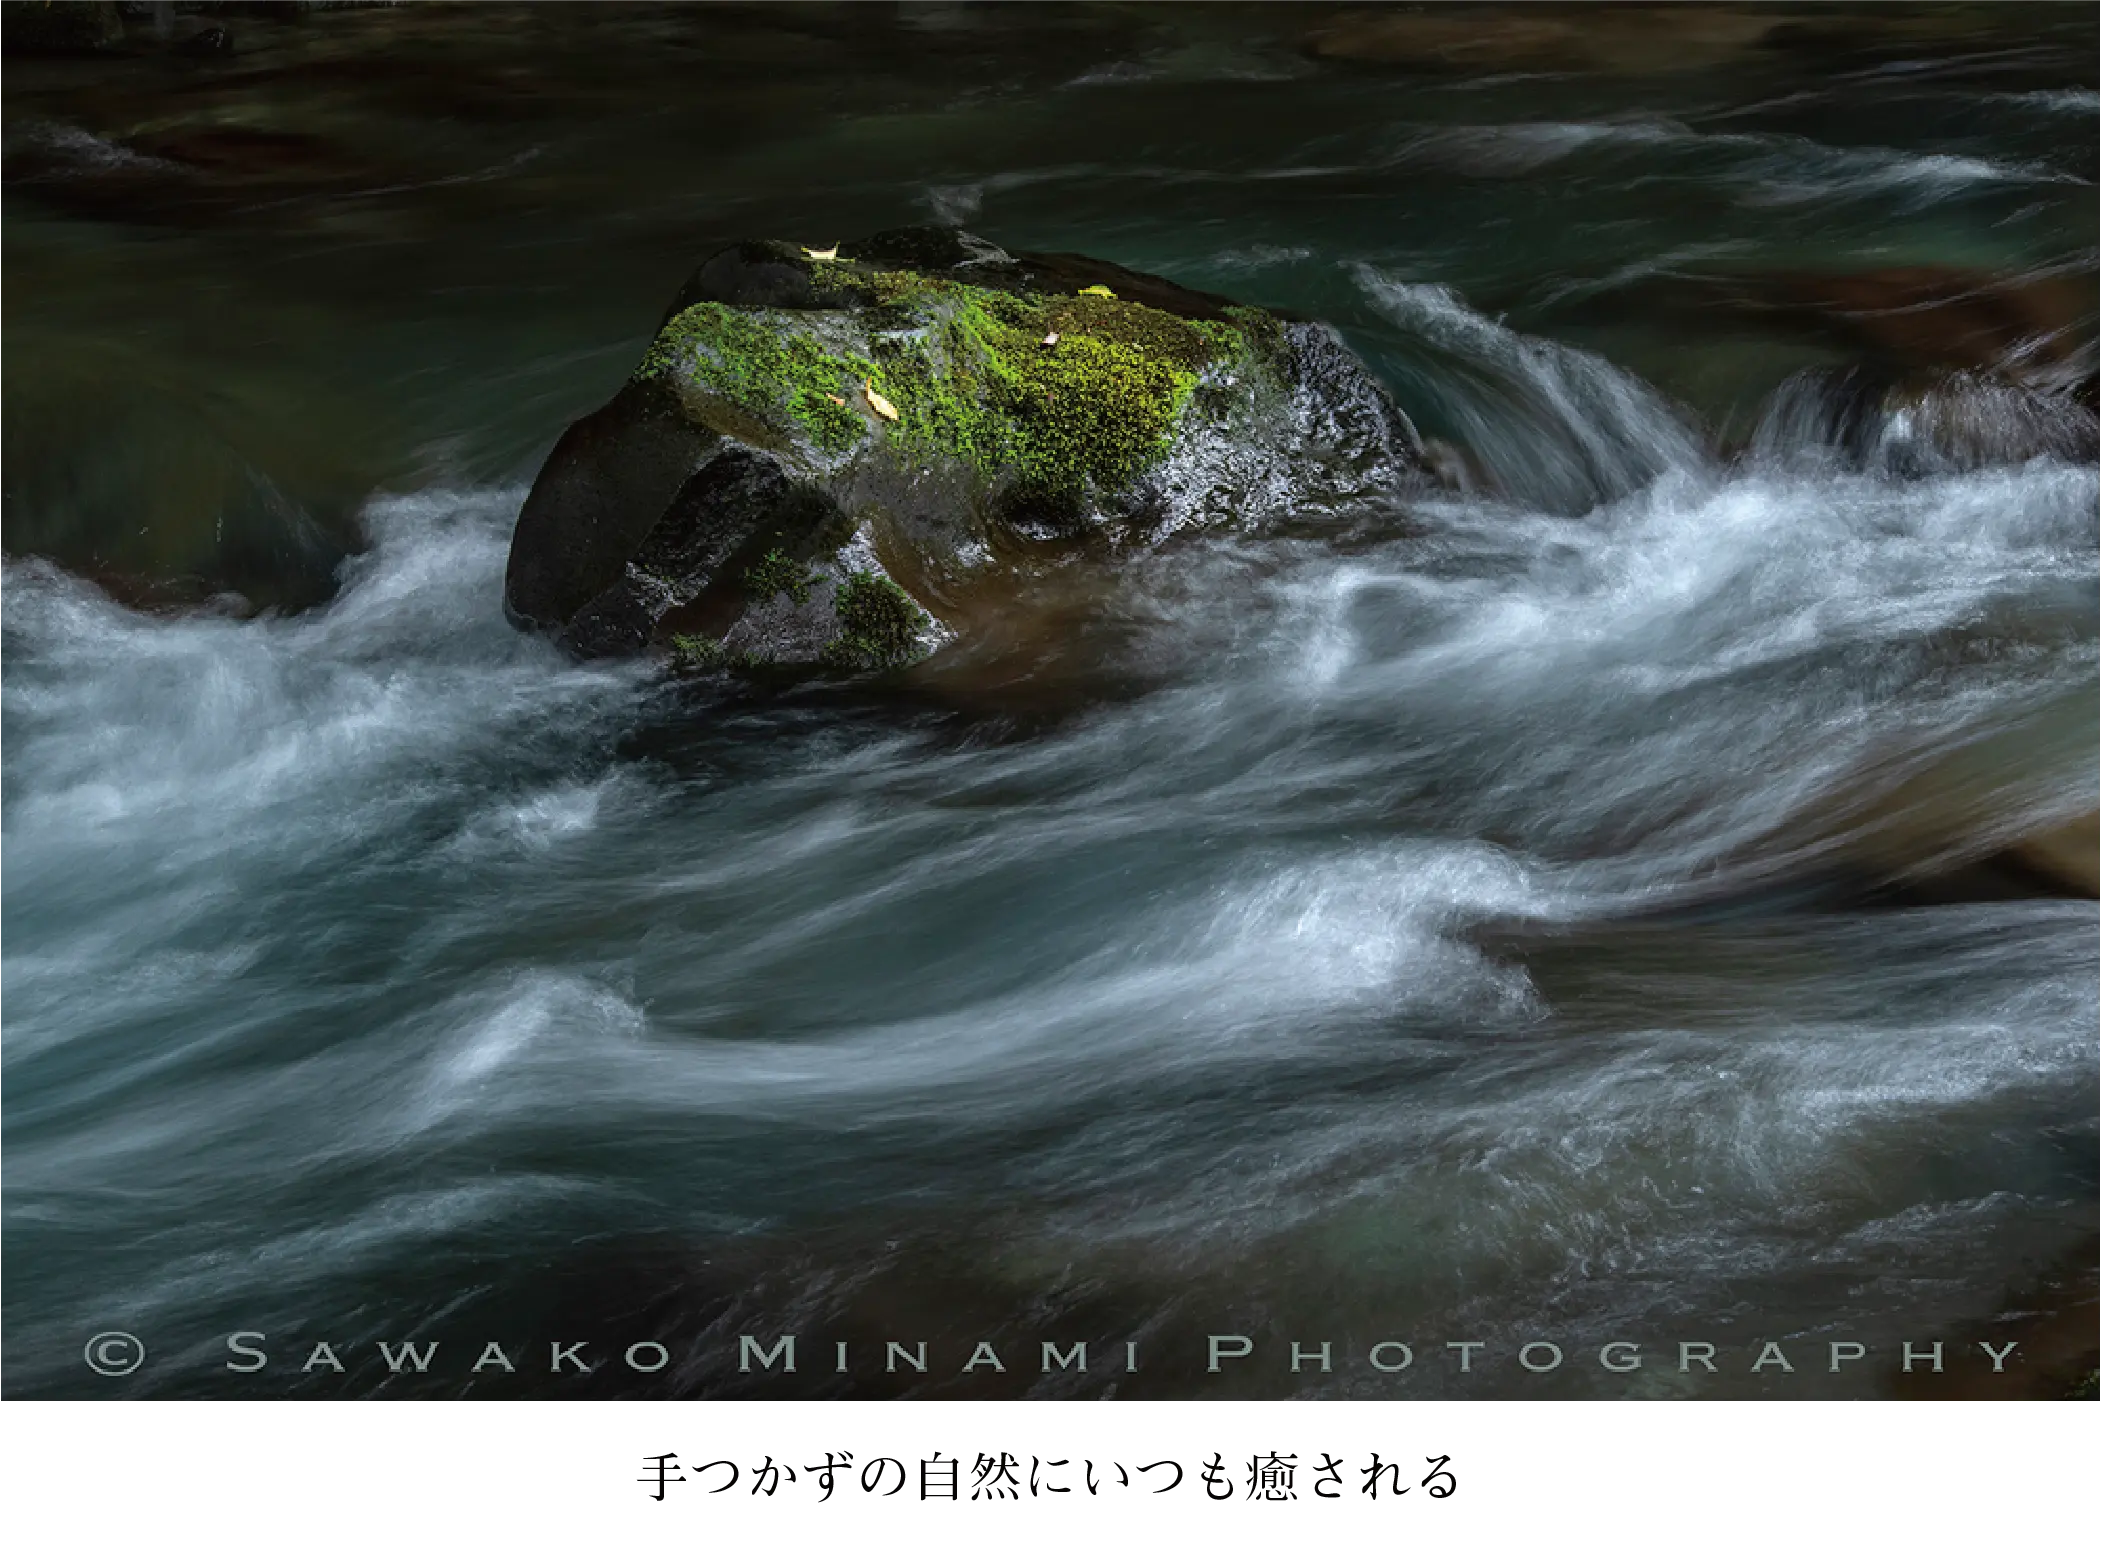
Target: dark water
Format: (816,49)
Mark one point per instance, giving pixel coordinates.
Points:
(1491,924)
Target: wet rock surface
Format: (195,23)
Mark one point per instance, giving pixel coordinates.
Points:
(1916,372)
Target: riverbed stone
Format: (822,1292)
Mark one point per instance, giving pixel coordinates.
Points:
(1916,426)
(166,478)
(1636,40)
(2034,328)
(2066,857)
(846,455)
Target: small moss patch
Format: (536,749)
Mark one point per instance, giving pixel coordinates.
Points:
(878,625)
(876,286)
(763,361)
(705,655)
(697,654)
(777,575)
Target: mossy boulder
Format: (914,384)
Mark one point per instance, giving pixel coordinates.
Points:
(846,460)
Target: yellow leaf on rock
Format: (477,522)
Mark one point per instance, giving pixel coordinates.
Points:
(883,406)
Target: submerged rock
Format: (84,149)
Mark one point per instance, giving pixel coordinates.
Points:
(2066,857)
(206,43)
(1998,818)
(1941,369)
(1909,426)
(1629,40)
(2036,328)
(167,478)
(1637,39)
(845,459)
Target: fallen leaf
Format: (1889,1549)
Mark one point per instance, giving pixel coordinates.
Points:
(821,255)
(1098,289)
(883,406)
(840,401)
(1051,341)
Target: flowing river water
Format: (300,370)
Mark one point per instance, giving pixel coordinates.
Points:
(1542,913)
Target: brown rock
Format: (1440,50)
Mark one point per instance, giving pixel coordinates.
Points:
(2052,1324)
(1631,40)
(2029,326)
(2036,328)
(2066,856)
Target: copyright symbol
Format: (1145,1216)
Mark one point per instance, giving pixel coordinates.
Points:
(114,1354)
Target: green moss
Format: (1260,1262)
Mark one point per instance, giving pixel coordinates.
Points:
(777,574)
(1091,408)
(705,655)
(878,625)
(760,360)
(1058,392)
(1257,337)
(875,286)
(1097,405)
(695,654)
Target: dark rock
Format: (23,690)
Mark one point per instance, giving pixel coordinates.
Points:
(1620,40)
(725,521)
(167,480)
(209,43)
(184,173)
(848,461)
(2038,329)
(2035,329)
(1639,39)
(606,484)
(60,27)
